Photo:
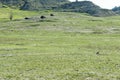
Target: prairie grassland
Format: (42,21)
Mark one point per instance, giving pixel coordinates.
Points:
(62,47)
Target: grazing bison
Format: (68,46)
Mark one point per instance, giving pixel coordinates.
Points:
(26,18)
(51,14)
(42,17)
(97,53)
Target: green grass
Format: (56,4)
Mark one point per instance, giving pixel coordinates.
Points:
(62,47)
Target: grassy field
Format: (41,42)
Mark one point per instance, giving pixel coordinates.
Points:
(60,47)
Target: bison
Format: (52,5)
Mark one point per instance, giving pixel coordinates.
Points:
(42,17)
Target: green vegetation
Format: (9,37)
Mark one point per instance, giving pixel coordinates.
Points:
(60,47)
(5,13)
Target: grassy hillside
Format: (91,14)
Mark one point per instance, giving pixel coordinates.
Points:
(60,47)
(17,14)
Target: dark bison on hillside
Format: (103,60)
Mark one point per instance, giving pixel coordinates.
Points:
(42,17)
(26,18)
(52,15)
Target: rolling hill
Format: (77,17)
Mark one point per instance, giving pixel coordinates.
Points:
(86,7)
(59,5)
(116,10)
(33,4)
(60,47)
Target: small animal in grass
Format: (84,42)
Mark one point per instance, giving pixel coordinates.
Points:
(42,17)
(97,53)
(26,18)
(51,14)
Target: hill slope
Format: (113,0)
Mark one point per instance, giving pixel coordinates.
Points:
(116,10)
(59,5)
(60,47)
(86,7)
(33,4)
